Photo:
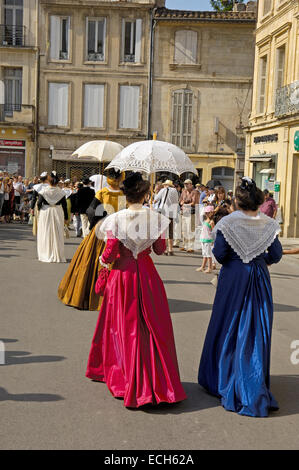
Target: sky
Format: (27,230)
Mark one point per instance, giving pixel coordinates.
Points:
(203,5)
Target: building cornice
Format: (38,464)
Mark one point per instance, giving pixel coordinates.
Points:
(179,16)
(208,79)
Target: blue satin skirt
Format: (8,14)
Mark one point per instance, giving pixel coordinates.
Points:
(235,362)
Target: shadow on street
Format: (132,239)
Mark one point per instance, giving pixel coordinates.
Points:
(37,397)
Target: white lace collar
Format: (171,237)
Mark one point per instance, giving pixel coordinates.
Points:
(52,194)
(137,229)
(248,236)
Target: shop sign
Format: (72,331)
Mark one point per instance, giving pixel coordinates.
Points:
(12,143)
(277,186)
(265,138)
(296,141)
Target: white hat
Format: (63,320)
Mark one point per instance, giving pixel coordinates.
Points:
(188,181)
(44,174)
(168,183)
(67,180)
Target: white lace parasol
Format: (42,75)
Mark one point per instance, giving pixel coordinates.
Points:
(152,156)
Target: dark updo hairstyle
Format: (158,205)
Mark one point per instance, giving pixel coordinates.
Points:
(135,188)
(248,196)
(113,174)
(53,179)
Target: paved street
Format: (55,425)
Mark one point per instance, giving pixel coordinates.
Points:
(47,403)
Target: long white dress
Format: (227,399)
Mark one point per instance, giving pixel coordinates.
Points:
(50,233)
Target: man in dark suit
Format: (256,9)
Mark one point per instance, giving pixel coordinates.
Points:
(84,198)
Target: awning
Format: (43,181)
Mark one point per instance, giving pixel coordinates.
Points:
(262,160)
(66,155)
(267,170)
(265,157)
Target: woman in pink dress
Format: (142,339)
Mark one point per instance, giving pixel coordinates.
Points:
(133,348)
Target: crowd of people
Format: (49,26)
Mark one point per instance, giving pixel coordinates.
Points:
(133,348)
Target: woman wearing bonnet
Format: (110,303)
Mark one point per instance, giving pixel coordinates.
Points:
(133,347)
(235,362)
(52,216)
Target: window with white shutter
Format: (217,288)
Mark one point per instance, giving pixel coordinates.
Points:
(262,84)
(59,37)
(185,51)
(280,65)
(96,33)
(58,108)
(94,105)
(132,39)
(12,90)
(129,107)
(182,110)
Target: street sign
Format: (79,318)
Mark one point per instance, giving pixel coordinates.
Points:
(296,141)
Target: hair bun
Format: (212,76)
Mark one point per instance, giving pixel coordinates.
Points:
(247,184)
(132,180)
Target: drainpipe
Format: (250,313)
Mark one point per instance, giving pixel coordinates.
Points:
(150,78)
(36,117)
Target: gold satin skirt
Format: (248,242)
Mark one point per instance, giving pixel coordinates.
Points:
(76,289)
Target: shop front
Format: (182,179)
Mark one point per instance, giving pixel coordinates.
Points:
(12,156)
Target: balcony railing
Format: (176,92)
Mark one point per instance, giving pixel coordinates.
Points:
(16,113)
(287,100)
(11,35)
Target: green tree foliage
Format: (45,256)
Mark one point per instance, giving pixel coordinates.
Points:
(223,5)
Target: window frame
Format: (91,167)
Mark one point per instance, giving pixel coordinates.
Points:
(69,38)
(137,45)
(139,107)
(16,81)
(96,19)
(83,126)
(182,64)
(177,138)
(260,78)
(69,89)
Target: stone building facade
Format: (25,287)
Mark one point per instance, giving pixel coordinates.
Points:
(272,146)
(18,85)
(202,86)
(94,76)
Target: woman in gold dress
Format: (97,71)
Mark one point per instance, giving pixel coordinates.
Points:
(76,289)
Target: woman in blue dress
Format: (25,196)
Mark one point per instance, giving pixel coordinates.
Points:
(235,362)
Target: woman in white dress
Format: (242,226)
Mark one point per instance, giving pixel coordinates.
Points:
(52,217)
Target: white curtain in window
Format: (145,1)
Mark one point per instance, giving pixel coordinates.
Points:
(138,41)
(93,105)
(129,107)
(185,47)
(58,104)
(54,37)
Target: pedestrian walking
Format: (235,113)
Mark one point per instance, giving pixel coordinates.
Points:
(74,209)
(235,362)
(133,347)
(207,241)
(167,203)
(85,196)
(269,206)
(52,217)
(188,202)
(37,188)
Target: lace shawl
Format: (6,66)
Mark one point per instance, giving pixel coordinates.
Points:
(52,195)
(136,229)
(248,236)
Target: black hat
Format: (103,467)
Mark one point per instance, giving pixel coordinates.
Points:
(132,180)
